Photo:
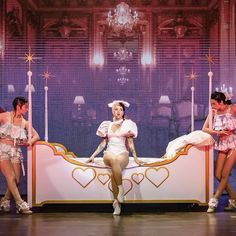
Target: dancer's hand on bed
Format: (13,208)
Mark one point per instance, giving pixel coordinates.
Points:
(90,160)
(140,163)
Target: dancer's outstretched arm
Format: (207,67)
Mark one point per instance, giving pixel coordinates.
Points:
(132,149)
(100,147)
(35,136)
(206,128)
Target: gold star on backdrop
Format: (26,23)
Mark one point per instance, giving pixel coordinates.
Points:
(47,75)
(209,59)
(29,58)
(192,76)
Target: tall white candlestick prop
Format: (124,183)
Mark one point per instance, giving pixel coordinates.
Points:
(46,112)
(46,75)
(30,105)
(192,109)
(210,116)
(210,75)
(29,58)
(29,149)
(192,77)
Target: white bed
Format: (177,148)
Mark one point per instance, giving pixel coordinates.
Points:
(58,176)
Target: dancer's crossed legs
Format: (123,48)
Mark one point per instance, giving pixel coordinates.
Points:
(117,164)
(224,165)
(11,172)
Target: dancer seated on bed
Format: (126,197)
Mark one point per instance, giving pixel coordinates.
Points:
(118,136)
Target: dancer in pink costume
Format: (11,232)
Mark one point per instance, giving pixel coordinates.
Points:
(13,134)
(118,136)
(224,127)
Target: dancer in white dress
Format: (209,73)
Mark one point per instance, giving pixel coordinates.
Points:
(118,136)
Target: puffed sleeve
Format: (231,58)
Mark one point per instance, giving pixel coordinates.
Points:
(103,129)
(129,129)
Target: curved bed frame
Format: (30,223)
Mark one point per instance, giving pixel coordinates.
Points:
(58,176)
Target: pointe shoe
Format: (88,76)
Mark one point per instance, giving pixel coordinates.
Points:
(231,205)
(212,205)
(5,205)
(117,209)
(23,208)
(120,196)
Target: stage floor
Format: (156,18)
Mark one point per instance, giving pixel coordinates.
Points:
(104,224)
(159,219)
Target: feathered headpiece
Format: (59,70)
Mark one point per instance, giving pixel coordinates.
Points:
(126,104)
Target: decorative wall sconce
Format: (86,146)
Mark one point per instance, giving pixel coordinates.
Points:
(98,60)
(164,99)
(27,88)
(79,100)
(10,88)
(146,59)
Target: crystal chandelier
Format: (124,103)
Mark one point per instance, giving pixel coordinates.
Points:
(123,54)
(228,91)
(122,70)
(123,18)
(122,80)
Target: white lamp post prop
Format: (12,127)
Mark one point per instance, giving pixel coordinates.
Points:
(29,73)
(210,116)
(29,58)
(46,111)
(46,75)
(210,75)
(192,77)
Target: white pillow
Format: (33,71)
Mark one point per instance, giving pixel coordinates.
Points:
(198,138)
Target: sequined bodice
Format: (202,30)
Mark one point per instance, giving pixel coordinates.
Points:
(15,133)
(225,121)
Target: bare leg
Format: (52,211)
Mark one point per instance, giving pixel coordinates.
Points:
(228,165)
(117,164)
(114,187)
(17,171)
(11,178)
(220,163)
